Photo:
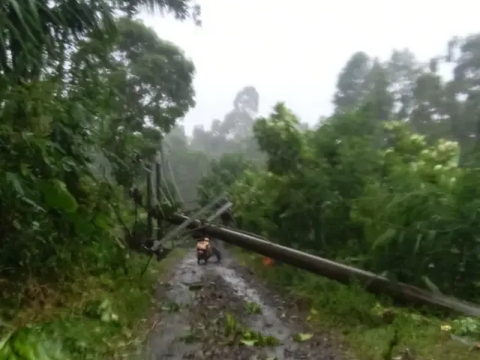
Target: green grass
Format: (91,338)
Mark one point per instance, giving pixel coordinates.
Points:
(365,323)
(101,317)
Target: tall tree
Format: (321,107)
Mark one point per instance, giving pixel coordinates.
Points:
(464,88)
(427,115)
(280,138)
(378,95)
(238,122)
(150,86)
(62,85)
(403,70)
(234,133)
(351,90)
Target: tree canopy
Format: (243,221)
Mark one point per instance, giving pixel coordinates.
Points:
(89,96)
(387,183)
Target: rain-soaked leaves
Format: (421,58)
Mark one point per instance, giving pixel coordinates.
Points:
(252,308)
(58,196)
(29,344)
(301,337)
(236,332)
(171,307)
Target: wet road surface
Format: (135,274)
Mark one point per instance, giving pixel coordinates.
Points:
(220,311)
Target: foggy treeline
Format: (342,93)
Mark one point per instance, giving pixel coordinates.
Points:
(439,98)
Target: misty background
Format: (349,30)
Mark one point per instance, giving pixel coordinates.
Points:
(294,51)
(347,130)
(415,62)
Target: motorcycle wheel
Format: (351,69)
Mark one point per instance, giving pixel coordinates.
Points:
(200,256)
(217,254)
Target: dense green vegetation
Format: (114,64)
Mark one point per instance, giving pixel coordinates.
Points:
(85,99)
(388,183)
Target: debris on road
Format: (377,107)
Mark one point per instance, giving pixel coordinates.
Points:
(222,312)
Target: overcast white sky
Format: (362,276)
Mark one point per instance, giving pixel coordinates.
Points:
(292,51)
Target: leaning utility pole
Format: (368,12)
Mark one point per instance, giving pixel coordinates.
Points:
(148,167)
(158,189)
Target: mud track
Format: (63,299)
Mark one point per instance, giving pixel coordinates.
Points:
(221,311)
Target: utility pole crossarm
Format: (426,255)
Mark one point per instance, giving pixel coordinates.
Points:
(188,221)
(220,211)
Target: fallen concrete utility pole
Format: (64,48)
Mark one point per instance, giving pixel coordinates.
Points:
(335,271)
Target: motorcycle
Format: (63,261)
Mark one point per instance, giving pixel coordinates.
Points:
(206,252)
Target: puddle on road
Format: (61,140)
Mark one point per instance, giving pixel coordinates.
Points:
(239,286)
(188,273)
(267,321)
(165,340)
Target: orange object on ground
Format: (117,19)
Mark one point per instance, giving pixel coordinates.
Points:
(268,261)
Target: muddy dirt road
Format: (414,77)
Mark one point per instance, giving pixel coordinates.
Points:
(221,311)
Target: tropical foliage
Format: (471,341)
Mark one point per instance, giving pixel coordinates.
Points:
(87,92)
(388,183)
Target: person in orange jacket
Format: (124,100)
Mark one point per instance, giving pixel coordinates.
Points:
(203,243)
